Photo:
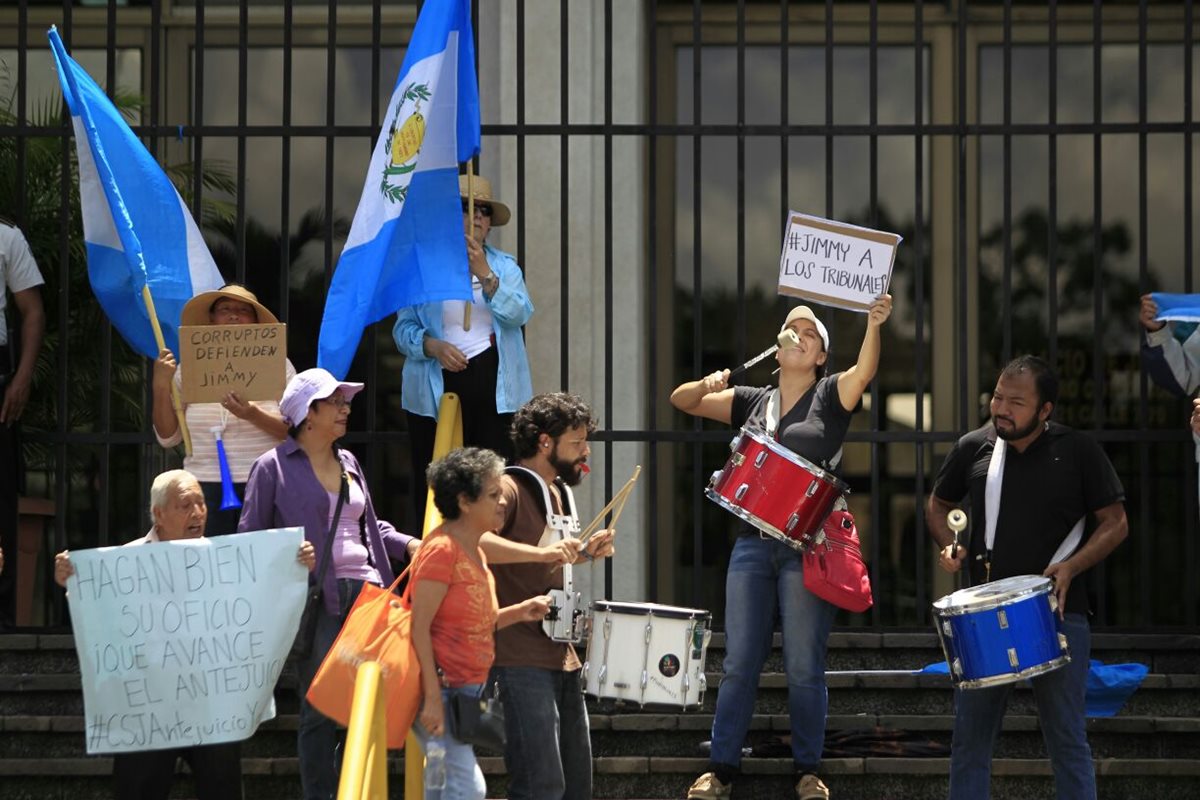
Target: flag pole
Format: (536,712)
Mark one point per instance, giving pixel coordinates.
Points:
(470,216)
(162,345)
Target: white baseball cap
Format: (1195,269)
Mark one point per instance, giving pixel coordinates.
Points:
(804,312)
(310,385)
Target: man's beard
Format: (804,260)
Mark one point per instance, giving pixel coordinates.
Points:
(1017,433)
(570,471)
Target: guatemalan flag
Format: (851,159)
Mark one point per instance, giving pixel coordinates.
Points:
(136,227)
(406,244)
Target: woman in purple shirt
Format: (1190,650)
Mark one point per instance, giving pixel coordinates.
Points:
(298,484)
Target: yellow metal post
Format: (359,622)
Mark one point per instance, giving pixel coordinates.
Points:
(449,436)
(364,766)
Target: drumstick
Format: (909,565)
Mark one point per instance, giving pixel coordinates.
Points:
(786,338)
(957,520)
(620,497)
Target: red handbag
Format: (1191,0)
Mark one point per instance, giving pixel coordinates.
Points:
(833,567)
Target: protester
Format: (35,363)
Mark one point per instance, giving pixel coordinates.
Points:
(247,429)
(1059,511)
(455,613)
(18,274)
(1170,350)
(548,750)
(297,484)
(809,414)
(179,512)
(476,349)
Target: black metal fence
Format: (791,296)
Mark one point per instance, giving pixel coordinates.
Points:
(1037,158)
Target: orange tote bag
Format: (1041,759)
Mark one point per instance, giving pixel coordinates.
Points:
(378,628)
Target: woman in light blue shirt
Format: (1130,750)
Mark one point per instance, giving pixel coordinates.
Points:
(475,350)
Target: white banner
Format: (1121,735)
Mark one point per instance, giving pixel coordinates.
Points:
(181,643)
(834,263)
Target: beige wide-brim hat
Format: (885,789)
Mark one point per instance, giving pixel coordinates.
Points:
(196,310)
(482,189)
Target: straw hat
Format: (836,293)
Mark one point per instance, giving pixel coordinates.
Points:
(196,310)
(482,189)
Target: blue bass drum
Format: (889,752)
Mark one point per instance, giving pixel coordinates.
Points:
(1001,632)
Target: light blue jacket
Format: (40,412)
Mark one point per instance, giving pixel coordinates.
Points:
(421,390)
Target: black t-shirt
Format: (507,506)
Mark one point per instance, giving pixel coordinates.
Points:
(1061,476)
(813,428)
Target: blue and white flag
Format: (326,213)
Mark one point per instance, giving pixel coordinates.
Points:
(136,227)
(1177,307)
(406,244)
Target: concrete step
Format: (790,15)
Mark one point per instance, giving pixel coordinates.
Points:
(850,692)
(679,735)
(648,777)
(1164,653)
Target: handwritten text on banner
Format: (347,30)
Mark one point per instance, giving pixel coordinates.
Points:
(181,643)
(834,263)
(217,359)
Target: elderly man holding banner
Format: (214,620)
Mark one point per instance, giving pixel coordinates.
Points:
(179,512)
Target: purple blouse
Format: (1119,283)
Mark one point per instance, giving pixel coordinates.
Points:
(283,492)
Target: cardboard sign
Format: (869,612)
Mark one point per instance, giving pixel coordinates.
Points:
(835,264)
(217,359)
(181,643)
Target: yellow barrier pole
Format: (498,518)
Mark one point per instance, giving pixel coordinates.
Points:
(449,436)
(364,765)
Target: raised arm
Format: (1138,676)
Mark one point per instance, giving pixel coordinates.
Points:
(854,381)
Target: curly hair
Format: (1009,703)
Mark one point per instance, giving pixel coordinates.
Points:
(552,414)
(462,472)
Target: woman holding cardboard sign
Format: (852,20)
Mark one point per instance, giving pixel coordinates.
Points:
(809,414)
(246,429)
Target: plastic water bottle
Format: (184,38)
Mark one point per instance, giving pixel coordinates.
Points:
(435,765)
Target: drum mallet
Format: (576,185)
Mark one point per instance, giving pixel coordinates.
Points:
(957,520)
(786,338)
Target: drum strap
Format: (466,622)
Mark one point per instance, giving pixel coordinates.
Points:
(991,512)
(562,524)
(772,424)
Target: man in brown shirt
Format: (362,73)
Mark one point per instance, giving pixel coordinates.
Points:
(549,752)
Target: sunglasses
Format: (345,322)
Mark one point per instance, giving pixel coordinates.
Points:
(480,208)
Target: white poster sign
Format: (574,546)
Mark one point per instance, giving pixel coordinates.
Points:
(834,263)
(181,643)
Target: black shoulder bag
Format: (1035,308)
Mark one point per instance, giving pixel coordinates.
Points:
(478,721)
(303,645)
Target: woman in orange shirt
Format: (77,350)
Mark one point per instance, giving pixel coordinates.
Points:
(455,614)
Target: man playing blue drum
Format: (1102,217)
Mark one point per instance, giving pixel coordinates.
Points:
(1044,500)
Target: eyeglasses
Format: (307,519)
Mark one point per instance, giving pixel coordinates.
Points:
(233,309)
(338,401)
(480,208)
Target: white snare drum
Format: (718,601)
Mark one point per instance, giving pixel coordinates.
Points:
(647,654)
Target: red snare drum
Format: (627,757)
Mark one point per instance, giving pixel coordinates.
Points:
(774,489)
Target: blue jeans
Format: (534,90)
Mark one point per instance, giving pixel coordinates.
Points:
(766,579)
(548,752)
(464,778)
(978,714)
(319,741)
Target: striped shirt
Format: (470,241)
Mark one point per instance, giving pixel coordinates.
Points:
(244,441)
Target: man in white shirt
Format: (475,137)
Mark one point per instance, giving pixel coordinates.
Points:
(19,274)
